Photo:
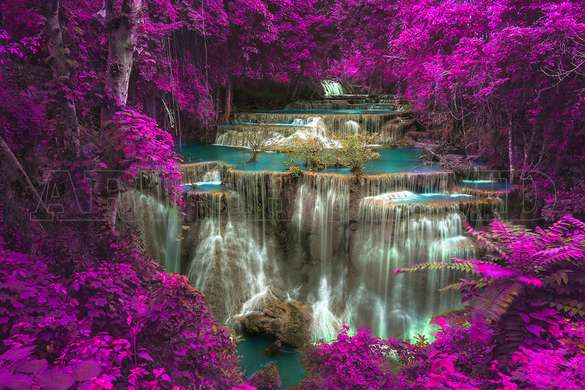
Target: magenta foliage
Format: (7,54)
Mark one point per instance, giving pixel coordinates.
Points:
(117,323)
(359,361)
(142,147)
(490,76)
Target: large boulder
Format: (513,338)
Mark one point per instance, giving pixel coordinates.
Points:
(285,319)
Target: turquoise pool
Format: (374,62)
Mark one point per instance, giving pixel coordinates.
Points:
(391,160)
(253,358)
(487,185)
(329,111)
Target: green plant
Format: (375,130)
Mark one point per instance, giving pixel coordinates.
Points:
(355,153)
(295,170)
(312,152)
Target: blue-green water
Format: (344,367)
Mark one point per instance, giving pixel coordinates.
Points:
(203,187)
(252,358)
(330,111)
(488,185)
(391,159)
(433,197)
(291,123)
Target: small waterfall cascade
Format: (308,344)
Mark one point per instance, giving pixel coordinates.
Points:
(229,263)
(322,209)
(213,176)
(201,172)
(260,194)
(321,216)
(370,121)
(314,128)
(423,182)
(158,224)
(399,230)
(332,88)
(236,134)
(385,118)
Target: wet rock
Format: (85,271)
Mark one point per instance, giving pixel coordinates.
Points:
(274,348)
(267,378)
(288,320)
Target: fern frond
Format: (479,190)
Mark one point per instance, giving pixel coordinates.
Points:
(559,254)
(453,266)
(565,224)
(570,307)
(484,241)
(454,286)
(495,301)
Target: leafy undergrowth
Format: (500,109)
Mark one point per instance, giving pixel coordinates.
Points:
(120,323)
(524,327)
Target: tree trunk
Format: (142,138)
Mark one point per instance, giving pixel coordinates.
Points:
(228,101)
(253,157)
(511,152)
(8,152)
(121,26)
(63,102)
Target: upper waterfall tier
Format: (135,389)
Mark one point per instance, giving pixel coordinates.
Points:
(384,122)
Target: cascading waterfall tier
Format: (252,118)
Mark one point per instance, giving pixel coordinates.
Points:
(235,134)
(229,255)
(387,124)
(332,88)
(261,193)
(321,217)
(158,224)
(399,230)
(201,172)
(405,181)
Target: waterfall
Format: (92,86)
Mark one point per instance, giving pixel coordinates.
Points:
(396,232)
(425,182)
(314,128)
(159,226)
(332,88)
(212,176)
(201,172)
(325,325)
(230,262)
(322,208)
(322,213)
(370,121)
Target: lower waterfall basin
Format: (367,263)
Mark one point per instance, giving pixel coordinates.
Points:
(392,160)
(252,358)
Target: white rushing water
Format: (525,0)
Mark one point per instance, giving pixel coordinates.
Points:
(332,88)
(398,235)
(313,129)
(230,262)
(159,226)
